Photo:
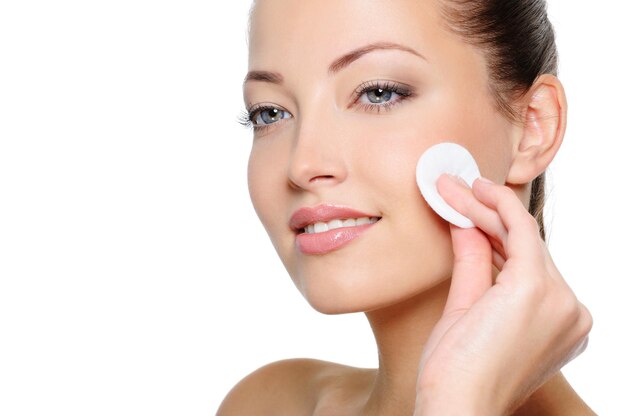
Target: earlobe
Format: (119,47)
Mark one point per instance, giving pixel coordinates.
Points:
(543,130)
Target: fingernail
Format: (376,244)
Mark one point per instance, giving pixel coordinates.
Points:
(485,180)
(458,180)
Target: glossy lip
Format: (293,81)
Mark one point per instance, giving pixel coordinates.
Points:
(322,213)
(327,241)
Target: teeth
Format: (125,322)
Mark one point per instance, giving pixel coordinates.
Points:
(361,221)
(320,227)
(335,224)
(350,222)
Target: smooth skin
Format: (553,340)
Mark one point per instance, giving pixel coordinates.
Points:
(465,321)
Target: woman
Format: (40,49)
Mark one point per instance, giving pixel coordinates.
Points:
(344,97)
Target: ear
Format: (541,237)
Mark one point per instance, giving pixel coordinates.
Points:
(540,137)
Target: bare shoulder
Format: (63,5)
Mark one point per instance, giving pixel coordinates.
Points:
(291,386)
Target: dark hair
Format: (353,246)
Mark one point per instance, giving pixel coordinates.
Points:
(519,45)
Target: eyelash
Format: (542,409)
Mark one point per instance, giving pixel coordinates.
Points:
(403,92)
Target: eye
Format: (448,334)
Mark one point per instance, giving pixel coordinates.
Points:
(371,95)
(378,95)
(268,115)
(263,116)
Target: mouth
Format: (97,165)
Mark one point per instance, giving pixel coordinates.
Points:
(334,224)
(324,237)
(328,227)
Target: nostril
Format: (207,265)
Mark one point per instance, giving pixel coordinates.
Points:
(321,177)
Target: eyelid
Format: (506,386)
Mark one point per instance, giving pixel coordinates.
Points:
(252,112)
(399,88)
(262,106)
(404,91)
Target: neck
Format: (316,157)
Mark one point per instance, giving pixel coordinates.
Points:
(401,331)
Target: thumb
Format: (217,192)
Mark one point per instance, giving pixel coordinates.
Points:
(472,269)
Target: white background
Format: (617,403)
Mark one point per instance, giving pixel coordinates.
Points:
(135,277)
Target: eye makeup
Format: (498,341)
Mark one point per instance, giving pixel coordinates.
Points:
(371,90)
(378,87)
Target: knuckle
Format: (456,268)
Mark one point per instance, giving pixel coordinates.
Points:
(504,199)
(586,319)
(583,345)
(575,315)
(503,194)
(508,199)
(529,221)
(579,348)
(569,309)
(472,207)
(474,258)
(507,192)
(531,229)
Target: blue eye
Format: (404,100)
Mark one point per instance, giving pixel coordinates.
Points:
(263,116)
(268,115)
(379,94)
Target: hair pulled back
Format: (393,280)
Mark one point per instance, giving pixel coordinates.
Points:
(518,41)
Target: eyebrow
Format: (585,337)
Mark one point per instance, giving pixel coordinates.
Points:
(337,65)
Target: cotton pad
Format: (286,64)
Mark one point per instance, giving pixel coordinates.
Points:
(443,158)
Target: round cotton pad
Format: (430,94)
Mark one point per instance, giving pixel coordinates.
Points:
(443,158)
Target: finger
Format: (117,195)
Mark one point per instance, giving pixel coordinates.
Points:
(472,270)
(523,236)
(497,248)
(462,199)
(498,260)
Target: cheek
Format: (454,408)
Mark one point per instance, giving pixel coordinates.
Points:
(472,120)
(263,186)
(255,183)
(417,239)
(388,160)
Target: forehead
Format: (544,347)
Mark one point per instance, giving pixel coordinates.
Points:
(315,32)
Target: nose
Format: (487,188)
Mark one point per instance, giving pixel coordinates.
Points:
(317,154)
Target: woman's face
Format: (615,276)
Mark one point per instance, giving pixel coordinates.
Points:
(325,142)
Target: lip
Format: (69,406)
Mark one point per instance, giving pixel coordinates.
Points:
(321,243)
(323,213)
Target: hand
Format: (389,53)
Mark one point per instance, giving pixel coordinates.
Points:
(497,342)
